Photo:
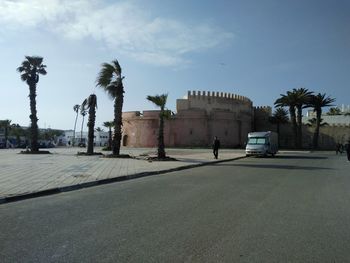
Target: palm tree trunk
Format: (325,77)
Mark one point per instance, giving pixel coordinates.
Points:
(91,125)
(75,126)
(278,134)
(299,127)
(294,123)
(33,117)
(81,131)
(110,138)
(317,129)
(118,106)
(161,147)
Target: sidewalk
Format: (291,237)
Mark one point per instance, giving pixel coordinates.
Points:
(24,176)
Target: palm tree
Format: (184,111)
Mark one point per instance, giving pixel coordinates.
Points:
(90,104)
(83,113)
(30,69)
(280,116)
(302,97)
(317,102)
(160,101)
(6,125)
(76,108)
(109,125)
(289,101)
(334,111)
(111,80)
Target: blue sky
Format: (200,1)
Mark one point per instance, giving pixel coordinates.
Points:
(258,49)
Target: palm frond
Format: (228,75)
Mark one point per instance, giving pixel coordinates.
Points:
(76,107)
(105,76)
(319,101)
(41,71)
(24,77)
(118,69)
(108,124)
(158,100)
(84,105)
(36,61)
(89,102)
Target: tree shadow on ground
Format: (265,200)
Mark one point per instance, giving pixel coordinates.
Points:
(300,157)
(275,166)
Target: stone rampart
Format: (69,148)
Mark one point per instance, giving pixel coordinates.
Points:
(211,101)
(199,117)
(191,95)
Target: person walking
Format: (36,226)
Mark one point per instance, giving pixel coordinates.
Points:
(216,146)
(348,150)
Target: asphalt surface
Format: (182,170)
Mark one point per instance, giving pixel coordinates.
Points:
(293,208)
(24,176)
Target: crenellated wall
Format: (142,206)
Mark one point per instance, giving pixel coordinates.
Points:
(210,101)
(261,118)
(200,117)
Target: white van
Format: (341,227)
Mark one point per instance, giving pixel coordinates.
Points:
(262,143)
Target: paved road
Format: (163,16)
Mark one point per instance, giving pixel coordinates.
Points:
(22,175)
(295,208)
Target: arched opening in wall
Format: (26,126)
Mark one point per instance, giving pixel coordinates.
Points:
(125,140)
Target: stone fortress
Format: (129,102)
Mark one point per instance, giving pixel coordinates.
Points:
(200,116)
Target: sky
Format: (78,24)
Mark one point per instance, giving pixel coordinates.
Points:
(255,48)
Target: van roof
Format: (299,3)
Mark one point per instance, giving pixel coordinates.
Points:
(259,134)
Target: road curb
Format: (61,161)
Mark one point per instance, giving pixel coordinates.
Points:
(69,188)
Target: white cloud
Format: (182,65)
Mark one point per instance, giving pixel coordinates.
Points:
(122,26)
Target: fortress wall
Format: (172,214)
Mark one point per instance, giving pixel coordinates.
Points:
(261,118)
(140,132)
(192,114)
(332,134)
(328,136)
(214,101)
(187,132)
(131,114)
(194,129)
(151,114)
(200,117)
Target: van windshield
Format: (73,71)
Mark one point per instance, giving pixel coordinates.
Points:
(257,140)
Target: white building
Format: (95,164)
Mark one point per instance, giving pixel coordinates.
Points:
(100,137)
(342,119)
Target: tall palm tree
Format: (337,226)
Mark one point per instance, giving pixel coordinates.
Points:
(30,70)
(6,125)
(111,80)
(280,116)
(90,104)
(317,102)
(82,113)
(289,101)
(109,125)
(160,101)
(76,108)
(302,97)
